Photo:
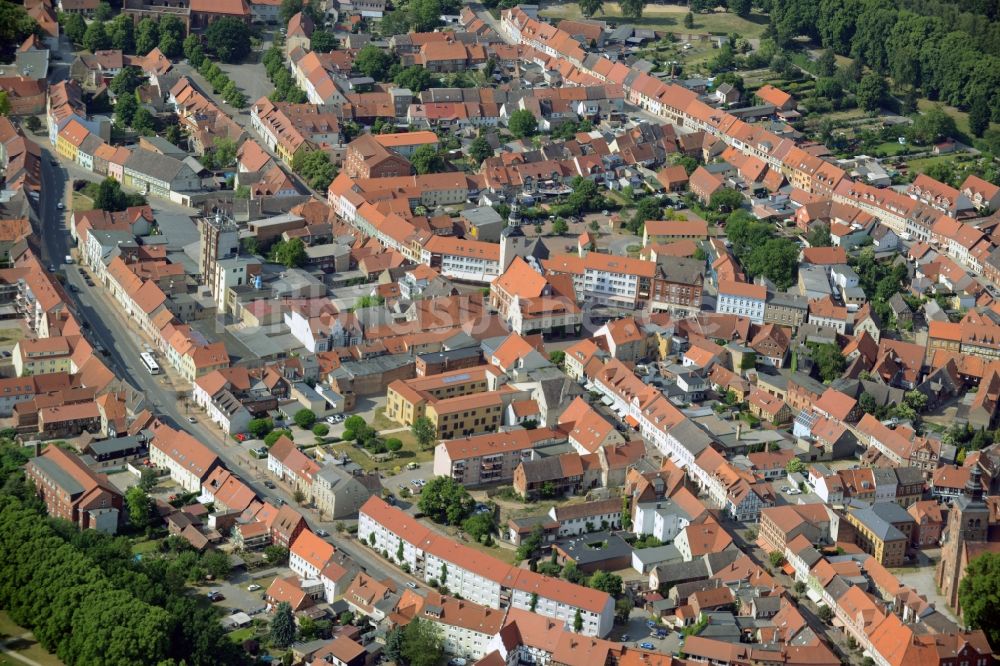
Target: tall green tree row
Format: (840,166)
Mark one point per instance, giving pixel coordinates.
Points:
(925,44)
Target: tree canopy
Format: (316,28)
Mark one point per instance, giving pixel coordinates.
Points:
(374,62)
(522,123)
(315,167)
(446,501)
(229,39)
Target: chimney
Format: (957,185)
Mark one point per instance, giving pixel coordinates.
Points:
(739,430)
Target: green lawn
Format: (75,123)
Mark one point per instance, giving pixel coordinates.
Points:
(890,148)
(82,202)
(8,335)
(666,18)
(409,453)
(383,422)
(921,165)
(144,547)
(241,635)
(28,648)
(961,117)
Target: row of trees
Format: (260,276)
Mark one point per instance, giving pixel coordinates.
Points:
(285,88)
(221,83)
(167,34)
(924,46)
(416,15)
(88,600)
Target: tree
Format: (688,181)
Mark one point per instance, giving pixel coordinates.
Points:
(276,554)
(916,400)
(394,642)
(867,403)
(824,614)
(96,37)
(125,110)
(283,625)
(315,167)
(931,126)
(559,227)
(304,418)
(143,121)
(414,78)
(4,103)
(871,91)
(216,563)
(126,80)
(288,9)
(103,12)
(193,48)
(776,559)
(480,150)
(422,643)
(229,39)
(446,501)
(726,200)
(427,159)
(122,33)
(979,116)
(322,41)
(110,196)
(425,431)
(591,7)
(826,65)
(819,236)
(479,526)
(148,479)
(606,582)
(830,362)
(140,507)
(795,466)
(222,153)
(578,618)
(424,15)
(632,9)
(147,36)
(522,123)
(740,7)
(260,427)
(290,253)
(171,36)
(74,26)
(275,435)
(374,62)
(689,20)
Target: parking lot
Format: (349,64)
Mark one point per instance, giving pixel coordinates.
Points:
(236,595)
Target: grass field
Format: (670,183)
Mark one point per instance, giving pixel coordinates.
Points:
(961,117)
(666,18)
(409,453)
(11,641)
(82,202)
(9,335)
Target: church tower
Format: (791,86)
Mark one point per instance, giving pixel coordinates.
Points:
(968,521)
(512,240)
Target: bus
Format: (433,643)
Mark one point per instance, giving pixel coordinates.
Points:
(150,363)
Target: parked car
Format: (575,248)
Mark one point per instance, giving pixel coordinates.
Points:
(322,533)
(410,584)
(646,646)
(215,596)
(270,484)
(253,587)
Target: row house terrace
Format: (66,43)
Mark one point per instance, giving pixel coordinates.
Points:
(478,578)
